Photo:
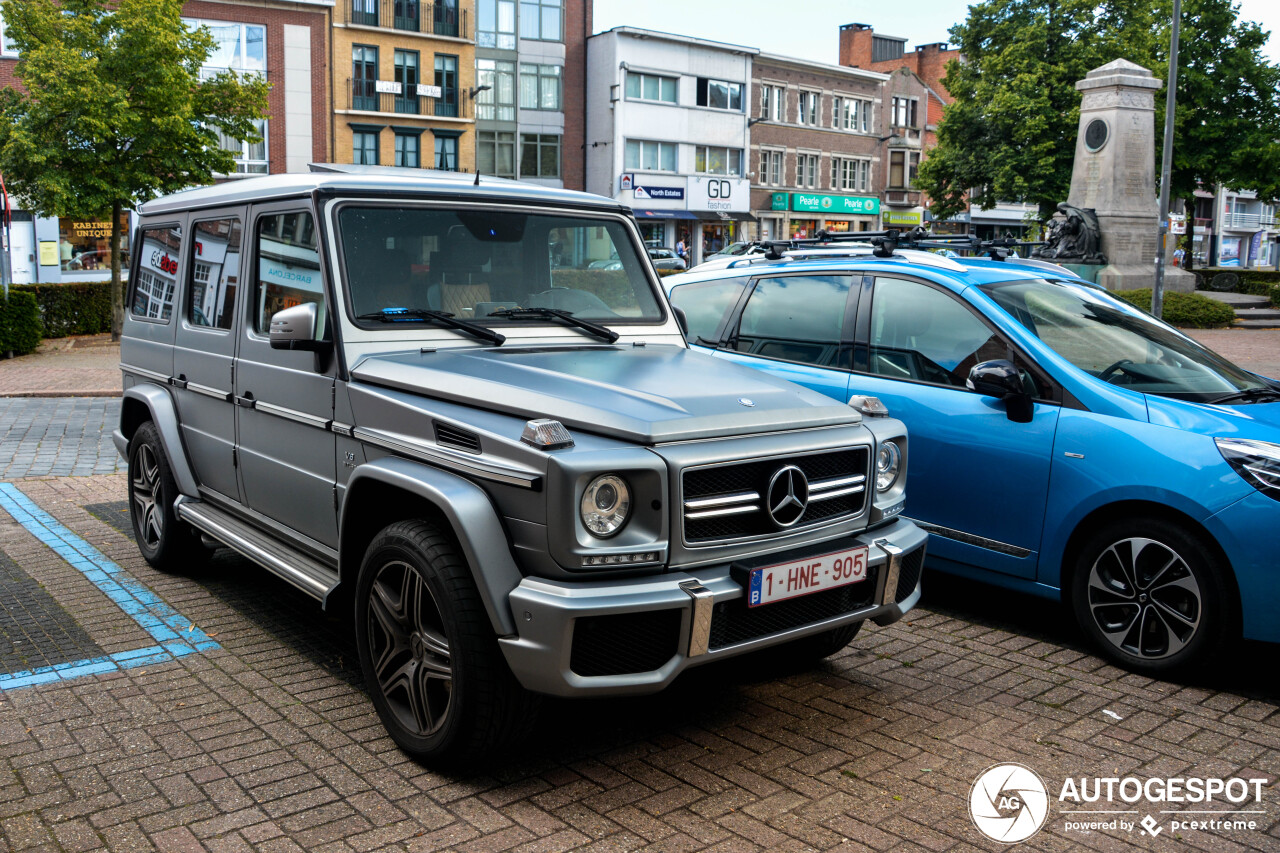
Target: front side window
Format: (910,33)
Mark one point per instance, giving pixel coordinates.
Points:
(471,263)
(649,87)
(539,155)
(650,156)
(796,318)
(496,153)
(540,19)
(498,102)
(705,306)
(214,274)
(288,268)
(711,160)
(719,94)
(157,273)
(407,150)
(497,24)
(539,87)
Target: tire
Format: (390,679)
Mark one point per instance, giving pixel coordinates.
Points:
(1153,597)
(166,542)
(823,645)
(428,651)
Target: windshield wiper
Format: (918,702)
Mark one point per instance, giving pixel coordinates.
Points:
(428,315)
(557,314)
(1249,395)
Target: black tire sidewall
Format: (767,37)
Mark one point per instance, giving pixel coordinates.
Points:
(169,550)
(1207,568)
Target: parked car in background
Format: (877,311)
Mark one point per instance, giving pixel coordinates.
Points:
(1064,443)
(666,259)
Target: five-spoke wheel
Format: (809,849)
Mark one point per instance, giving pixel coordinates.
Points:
(165,541)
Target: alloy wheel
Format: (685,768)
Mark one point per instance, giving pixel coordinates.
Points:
(410,651)
(148,515)
(1144,598)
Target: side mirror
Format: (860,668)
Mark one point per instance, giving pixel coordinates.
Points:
(1001,379)
(682,320)
(295,328)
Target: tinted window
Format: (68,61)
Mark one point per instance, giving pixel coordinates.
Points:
(796,318)
(705,305)
(157,275)
(923,334)
(214,273)
(288,268)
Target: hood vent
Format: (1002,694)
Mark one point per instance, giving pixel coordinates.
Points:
(460,439)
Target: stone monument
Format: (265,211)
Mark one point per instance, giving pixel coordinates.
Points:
(1114,176)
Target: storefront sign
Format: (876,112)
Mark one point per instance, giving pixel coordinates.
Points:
(652,192)
(780,201)
(852,204)
(903,217)
(720,194)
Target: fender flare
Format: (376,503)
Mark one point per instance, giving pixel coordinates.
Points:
(470,514)
(165,417)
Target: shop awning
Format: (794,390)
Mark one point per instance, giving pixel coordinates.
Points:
(723,216)
(663,214)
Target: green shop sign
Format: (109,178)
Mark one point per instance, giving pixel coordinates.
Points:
(903,217)
(811,203)
(779,201)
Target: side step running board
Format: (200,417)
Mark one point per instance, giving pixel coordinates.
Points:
(306,573)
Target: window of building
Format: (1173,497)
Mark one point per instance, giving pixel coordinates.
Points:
(288,268)
(364,12)
(712,160)
(771,166)
(904,112)
(773,103)
(364,147)
(84,245)
(7,47)
(649,87)
(719,94)
(807,170)
(444,17)
(497,24)
(153,285)
(447,80)
(903,166)
(850,174)
(808,113)
(496,153)
(539,87)
(651,156)
(407,151)
(236,47)
(498,102)
(446,153)
(364,77)
(406,72)
(851,114)
(215,273)
(539,155)
(771,327)
(251,157)
(540,19)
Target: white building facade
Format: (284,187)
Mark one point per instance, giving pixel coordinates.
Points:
(667,134)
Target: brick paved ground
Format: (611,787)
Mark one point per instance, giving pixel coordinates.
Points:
(269,742)
(66,435)
(86,366)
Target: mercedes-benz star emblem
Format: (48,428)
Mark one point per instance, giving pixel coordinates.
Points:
(750,404)
(788,496)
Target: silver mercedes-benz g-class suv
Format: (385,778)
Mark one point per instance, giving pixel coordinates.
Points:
(463,413)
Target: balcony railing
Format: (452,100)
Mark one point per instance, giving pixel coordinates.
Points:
(363,95)
(1256,221)
(441,19)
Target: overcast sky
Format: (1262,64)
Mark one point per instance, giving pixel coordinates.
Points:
(811,28)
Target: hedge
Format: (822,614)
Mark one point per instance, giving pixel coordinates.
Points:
(19,323)
(1188,310)
(1256,282)
(83,308)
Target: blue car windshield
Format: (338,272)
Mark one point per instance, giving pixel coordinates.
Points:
(1118,343)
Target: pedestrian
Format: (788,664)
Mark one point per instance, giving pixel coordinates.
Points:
(682,250)
(1178,254)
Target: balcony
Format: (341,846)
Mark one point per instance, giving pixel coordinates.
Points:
(1247,221)
(441,19)
(363,95)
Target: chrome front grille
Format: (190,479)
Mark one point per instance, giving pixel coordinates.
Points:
(730,501)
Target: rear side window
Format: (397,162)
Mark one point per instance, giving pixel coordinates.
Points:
(705,305)
(796,318)
(214,273)
(157,276)
(288,268)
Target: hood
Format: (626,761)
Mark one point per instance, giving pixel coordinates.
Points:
(1259,421)
(643,395)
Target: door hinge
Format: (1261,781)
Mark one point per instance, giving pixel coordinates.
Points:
(235,458)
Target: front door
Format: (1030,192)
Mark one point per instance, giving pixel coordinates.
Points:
(284,399)
(981,479)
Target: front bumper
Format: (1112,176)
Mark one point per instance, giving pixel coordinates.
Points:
(615,637)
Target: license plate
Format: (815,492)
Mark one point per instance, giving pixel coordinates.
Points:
(801,577)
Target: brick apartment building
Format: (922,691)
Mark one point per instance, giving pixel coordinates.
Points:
(861,47)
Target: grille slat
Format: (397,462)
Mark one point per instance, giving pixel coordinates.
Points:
(753,477)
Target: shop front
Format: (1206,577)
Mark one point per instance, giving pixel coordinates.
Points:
(84,247)
(722,207)
(814,212)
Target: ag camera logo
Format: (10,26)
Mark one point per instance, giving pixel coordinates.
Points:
(1009,803)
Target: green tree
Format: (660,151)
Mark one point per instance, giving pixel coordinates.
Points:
(115,110)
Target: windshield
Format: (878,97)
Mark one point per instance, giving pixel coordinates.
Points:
(471,263)
(1118,343)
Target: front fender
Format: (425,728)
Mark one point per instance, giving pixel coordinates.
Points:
(469,512)
(159,406)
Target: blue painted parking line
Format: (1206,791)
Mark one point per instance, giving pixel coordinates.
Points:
(175,635)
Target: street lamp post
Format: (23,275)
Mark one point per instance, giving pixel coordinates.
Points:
(1166,162)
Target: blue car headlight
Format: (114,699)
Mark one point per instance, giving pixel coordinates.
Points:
(1257,461)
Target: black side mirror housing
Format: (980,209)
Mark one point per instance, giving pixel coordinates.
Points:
(1001,378)
(682,319)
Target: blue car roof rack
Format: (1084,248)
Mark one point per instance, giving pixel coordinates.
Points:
(884,243)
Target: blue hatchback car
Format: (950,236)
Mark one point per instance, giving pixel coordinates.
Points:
(1063,443)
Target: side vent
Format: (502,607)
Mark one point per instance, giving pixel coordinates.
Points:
(459,439)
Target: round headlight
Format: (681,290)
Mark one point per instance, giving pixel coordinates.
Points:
(605,505)
(888,463)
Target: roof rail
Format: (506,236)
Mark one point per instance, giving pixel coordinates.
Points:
(885,243)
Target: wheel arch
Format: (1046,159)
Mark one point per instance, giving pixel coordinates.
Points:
(391,489)
(147,402)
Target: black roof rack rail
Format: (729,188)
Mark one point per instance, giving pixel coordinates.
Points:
(885,243)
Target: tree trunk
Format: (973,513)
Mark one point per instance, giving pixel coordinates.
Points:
(117,288)
(1189,239)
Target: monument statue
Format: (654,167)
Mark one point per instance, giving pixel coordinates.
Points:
(1075,237)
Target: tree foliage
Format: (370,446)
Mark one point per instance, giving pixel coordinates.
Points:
(115,110)
(1011,132)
